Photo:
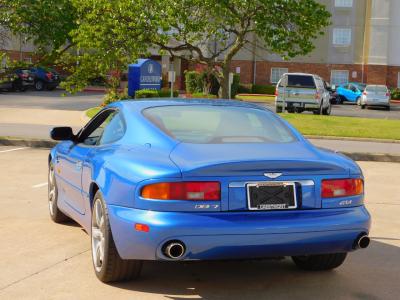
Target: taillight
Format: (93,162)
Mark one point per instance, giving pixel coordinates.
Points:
(49,75)
(276,92)
(317,96)
(387,94)
(365,93)
(332,188)
(187,190)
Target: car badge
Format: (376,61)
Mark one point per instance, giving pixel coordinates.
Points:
(272,175)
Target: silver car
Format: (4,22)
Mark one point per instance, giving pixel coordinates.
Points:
(375,95)
(298,92)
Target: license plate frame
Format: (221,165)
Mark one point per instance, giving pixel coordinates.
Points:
(272,206)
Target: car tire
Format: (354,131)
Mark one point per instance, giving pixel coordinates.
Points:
(55,213)
(319,262)
(39,85)
(327,111)
(278,109)
(107,264)
(362,106)
(388,108)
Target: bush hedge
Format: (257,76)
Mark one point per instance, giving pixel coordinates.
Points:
(146,93)
(263,89)
(201,95)
(193,82)
(395,94)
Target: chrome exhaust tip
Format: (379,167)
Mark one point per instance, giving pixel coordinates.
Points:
(174,250)
(362,242)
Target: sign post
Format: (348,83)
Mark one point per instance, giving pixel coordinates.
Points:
(171,80)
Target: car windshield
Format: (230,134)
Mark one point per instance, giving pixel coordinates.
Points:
(376,88)
(301,81)
(211,124)
(360,86)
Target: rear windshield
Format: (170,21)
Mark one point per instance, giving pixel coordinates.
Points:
(211,124)
(301,81)
(376,88)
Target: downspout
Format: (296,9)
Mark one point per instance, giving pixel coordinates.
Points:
(366,38)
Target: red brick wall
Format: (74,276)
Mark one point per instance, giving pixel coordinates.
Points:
(16,55)
(392,76)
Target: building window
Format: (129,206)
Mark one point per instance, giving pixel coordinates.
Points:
(342,36)
(339,77)
(343,3)
(276,74)
(28,60)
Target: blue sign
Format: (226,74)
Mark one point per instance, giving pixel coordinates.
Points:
(145,74)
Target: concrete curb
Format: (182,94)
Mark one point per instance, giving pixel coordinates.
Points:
(34,143)
(354,139)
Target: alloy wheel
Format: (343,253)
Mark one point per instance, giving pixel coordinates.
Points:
(52,190)
(98,235)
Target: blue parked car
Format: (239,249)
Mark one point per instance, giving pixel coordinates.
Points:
(45,78)
(350,92)
(179,180)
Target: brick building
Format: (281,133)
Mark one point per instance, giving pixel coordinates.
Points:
(362,44)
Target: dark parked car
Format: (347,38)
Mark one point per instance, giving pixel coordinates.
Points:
(45,78)
(332,93)
(16,79)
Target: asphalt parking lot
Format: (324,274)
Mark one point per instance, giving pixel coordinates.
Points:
(43,260)
(85,100)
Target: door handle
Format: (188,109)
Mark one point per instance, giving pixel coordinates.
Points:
(78,165)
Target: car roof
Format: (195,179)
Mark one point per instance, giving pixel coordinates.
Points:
(155,102)
(302,74)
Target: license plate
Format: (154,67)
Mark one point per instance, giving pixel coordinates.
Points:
(271,195)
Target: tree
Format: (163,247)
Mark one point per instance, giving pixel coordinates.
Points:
(47,23)
(207,32)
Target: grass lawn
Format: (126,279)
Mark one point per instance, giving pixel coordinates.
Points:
(92,111)
(333,126)
(260,98)
(345,126)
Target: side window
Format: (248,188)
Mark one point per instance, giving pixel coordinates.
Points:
(114,130)
(92,132)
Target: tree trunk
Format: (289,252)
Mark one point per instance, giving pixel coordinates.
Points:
(225,81)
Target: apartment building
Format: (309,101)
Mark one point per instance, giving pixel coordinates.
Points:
(362,44)
(16,47)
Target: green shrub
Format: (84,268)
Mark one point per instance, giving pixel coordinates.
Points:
(244,89)
(201,95)
(166,93)
(114,95)
(395,94)
(263,89)
(193,82)
(146,93)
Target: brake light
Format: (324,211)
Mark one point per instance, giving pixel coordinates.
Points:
(316,95)
(276,92)
(387,94)
(365,93)
(332,188)
(49,75)
(187,190)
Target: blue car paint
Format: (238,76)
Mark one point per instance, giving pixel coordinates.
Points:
(210,229)
(348,94)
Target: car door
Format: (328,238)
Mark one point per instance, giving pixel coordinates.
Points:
(71,157)
(353,93)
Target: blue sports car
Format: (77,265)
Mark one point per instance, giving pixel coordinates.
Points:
(203,180)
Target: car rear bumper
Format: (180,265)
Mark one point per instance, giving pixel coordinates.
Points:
(237,235)
(298,104)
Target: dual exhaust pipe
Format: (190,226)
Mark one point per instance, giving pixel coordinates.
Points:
(174,249)
(361,242)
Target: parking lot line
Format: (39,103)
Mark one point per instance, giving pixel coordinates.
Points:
(39,185)
(15,149)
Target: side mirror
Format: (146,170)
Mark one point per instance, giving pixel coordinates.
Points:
(62,134)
